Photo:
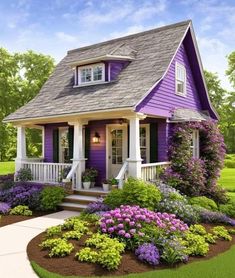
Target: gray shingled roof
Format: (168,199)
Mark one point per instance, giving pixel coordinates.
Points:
(154,51)
(185,114)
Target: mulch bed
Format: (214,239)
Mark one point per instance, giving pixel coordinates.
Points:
(69,266)
(11,219)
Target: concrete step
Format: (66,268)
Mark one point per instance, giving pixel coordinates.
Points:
(92,192)
(80,199)
(72,206)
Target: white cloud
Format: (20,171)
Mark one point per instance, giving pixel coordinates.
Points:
(65,37)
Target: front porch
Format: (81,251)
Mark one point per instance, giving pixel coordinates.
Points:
(135,145)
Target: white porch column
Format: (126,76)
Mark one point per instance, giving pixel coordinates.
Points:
(134,160)
(78,150)
(21,147)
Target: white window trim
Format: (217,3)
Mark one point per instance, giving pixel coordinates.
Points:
(147,141)
(61,130)
(195,145)
(79,83)
(177,64)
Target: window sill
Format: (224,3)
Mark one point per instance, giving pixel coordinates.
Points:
(91,84)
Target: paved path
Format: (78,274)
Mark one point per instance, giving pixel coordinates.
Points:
(14,239)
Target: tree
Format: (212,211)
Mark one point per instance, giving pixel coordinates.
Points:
(231,68)
(21,77)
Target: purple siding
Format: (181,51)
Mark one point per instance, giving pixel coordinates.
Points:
(162,141)
(48,141)
(116,68)
(163,100)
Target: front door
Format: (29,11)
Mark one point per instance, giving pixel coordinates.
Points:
(117,149)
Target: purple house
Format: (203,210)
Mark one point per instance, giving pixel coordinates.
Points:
(112,105)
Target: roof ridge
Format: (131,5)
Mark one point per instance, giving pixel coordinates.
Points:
(185,22)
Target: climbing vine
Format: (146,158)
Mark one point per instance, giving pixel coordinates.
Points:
(196,176)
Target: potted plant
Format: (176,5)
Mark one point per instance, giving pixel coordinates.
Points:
(93,174)
(114,183)
(105,185)
(86,179)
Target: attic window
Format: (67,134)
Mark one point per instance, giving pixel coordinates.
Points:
(91,74)
(180,79)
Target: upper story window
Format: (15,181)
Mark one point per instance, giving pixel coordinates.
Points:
(91,74)
(195,144)
(180,79)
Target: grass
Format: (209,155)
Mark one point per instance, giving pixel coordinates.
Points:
(221,266)
(7,167)
(227,179)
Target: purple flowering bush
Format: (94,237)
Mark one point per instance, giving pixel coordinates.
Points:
(97,207)
(4,208)
(127,222)
(148,253)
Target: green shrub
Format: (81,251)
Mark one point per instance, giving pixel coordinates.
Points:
(229,163)
(72,235)
(89,217)
(58,247)
(135,192)
(228,209)
(210,238)
(196,244)
(74,223)
(197,229)
(174,252)
(115,198)
(231,231)
(107,251)
(51,196)
(204,202)
(24,174)
(221,232)
(54,231)
(21,210)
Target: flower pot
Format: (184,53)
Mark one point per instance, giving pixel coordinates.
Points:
(86,185)
(105,186)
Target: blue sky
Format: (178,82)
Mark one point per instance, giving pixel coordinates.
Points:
(55,26)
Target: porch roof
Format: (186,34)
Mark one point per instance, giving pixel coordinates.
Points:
(154,51)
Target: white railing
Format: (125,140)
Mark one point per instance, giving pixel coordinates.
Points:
(46,172)
(151,171)
(122,174)
(75,176)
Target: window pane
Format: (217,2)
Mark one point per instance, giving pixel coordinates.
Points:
(85,75)
(97,73)
(180,87)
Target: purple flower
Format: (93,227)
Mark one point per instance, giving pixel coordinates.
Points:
(4,208)
(148,253)
(127,235)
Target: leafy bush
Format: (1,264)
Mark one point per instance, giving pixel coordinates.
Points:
(107,251)
(51,196)
(4,208)
(196,244)
(6,181)
(148,253)
(197,229)
(222,233)
(228,209)
(58,247)
(54,231)
(134,192)
(229,163)
(89,217)
(21,210)
(97,206)
(204,202)
(24,174)
(76,224)
(22,194)
(210,238)
(73,235)
(174,252)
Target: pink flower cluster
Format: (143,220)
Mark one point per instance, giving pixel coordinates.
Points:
(127,221)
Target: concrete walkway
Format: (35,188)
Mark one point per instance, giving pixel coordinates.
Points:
(14,239)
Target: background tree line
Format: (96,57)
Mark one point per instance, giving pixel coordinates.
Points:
(23,74)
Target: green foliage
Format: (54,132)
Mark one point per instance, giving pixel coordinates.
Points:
(89,217)
(174,252)
(51,196)
(57,247)
(134,192)
(107,251)
(73,235)
(229,208)
(54,231)
(22,76)
(76,224)
(204,202)
(229,163)
(197,229)
(24,174)
(21,210)
(231,231)
(150,233)
(196,244)
(222,233)
(115,198)
(210,238)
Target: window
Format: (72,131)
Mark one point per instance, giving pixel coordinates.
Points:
(180,79)
(144,143)
(91,74)
(63,145)
(195,144)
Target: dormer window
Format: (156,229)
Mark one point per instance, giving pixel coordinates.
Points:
(180,79)
(89,74)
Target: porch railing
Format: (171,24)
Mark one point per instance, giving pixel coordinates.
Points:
(122,174)
(151,171)
(46,172)
(74,176)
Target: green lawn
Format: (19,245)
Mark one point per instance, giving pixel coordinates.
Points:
(221,266)
(7,167)
(227,179)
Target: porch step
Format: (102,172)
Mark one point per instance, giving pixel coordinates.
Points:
(93,192)
(72,206)
(80,199)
